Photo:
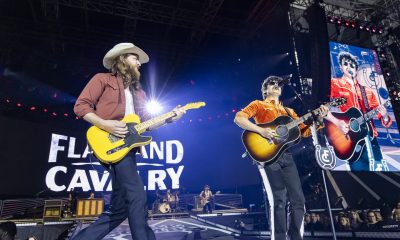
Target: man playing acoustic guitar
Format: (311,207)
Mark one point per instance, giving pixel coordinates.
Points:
(280,178)
(105,100)
(363,99)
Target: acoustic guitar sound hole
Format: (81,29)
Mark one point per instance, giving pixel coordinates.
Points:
(354,126)
(282,132)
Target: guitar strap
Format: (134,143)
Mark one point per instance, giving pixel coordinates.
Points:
(288,112)
(364,97)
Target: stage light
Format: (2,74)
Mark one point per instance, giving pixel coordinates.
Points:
(380,31)
(153,107)
(19,105)
(54,114)
(8,100)
(339,21)
(367,28)
(65,114)
(353,25)
(33,108)
(374,30)
(287,54)
(45,110)
(361,27)
(347,24)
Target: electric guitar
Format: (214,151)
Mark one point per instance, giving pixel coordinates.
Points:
(287,131)
(109,148)
(344,145)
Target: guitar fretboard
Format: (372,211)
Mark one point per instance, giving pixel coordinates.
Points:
(369,115)
(144,126)
(303,118)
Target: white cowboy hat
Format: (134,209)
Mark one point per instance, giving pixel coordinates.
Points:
(123,48)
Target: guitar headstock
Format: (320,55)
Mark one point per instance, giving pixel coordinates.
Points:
(337,102)
(194,105)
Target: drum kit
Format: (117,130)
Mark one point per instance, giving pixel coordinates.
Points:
(168,203)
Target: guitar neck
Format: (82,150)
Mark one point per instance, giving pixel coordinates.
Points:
(303,118)
(369,115)
(144,126)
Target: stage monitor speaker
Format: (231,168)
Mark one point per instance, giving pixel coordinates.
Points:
(89,207)
(52,210)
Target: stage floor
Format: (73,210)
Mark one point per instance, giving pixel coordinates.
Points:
(176,229)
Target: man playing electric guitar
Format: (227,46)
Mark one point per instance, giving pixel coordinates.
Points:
(104,102)
(365,100)
(205,199)
(280,178)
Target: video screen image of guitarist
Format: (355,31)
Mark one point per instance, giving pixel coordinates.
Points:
(363,131)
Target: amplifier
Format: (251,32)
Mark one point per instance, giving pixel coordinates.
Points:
(89,207)
(52,210)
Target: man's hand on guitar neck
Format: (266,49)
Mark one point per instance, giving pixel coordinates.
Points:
(179,113)
(382,110)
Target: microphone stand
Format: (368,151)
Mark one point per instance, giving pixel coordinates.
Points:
(322,170)
(36,195)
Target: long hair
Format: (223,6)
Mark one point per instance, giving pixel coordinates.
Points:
(126,72)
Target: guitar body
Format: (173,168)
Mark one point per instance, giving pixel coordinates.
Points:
(344,145)
(111,149)
(267,152)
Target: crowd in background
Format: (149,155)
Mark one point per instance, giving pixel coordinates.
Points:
(383,219)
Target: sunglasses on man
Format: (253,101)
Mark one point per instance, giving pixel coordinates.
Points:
(352,65)
(277,83)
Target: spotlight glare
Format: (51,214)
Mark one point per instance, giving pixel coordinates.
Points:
(153,107)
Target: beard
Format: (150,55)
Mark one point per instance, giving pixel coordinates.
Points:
(134,71)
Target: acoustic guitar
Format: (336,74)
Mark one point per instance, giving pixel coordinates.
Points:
(288,133)
(109,148)
(360,127)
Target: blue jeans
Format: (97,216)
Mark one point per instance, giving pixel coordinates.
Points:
(128,201)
